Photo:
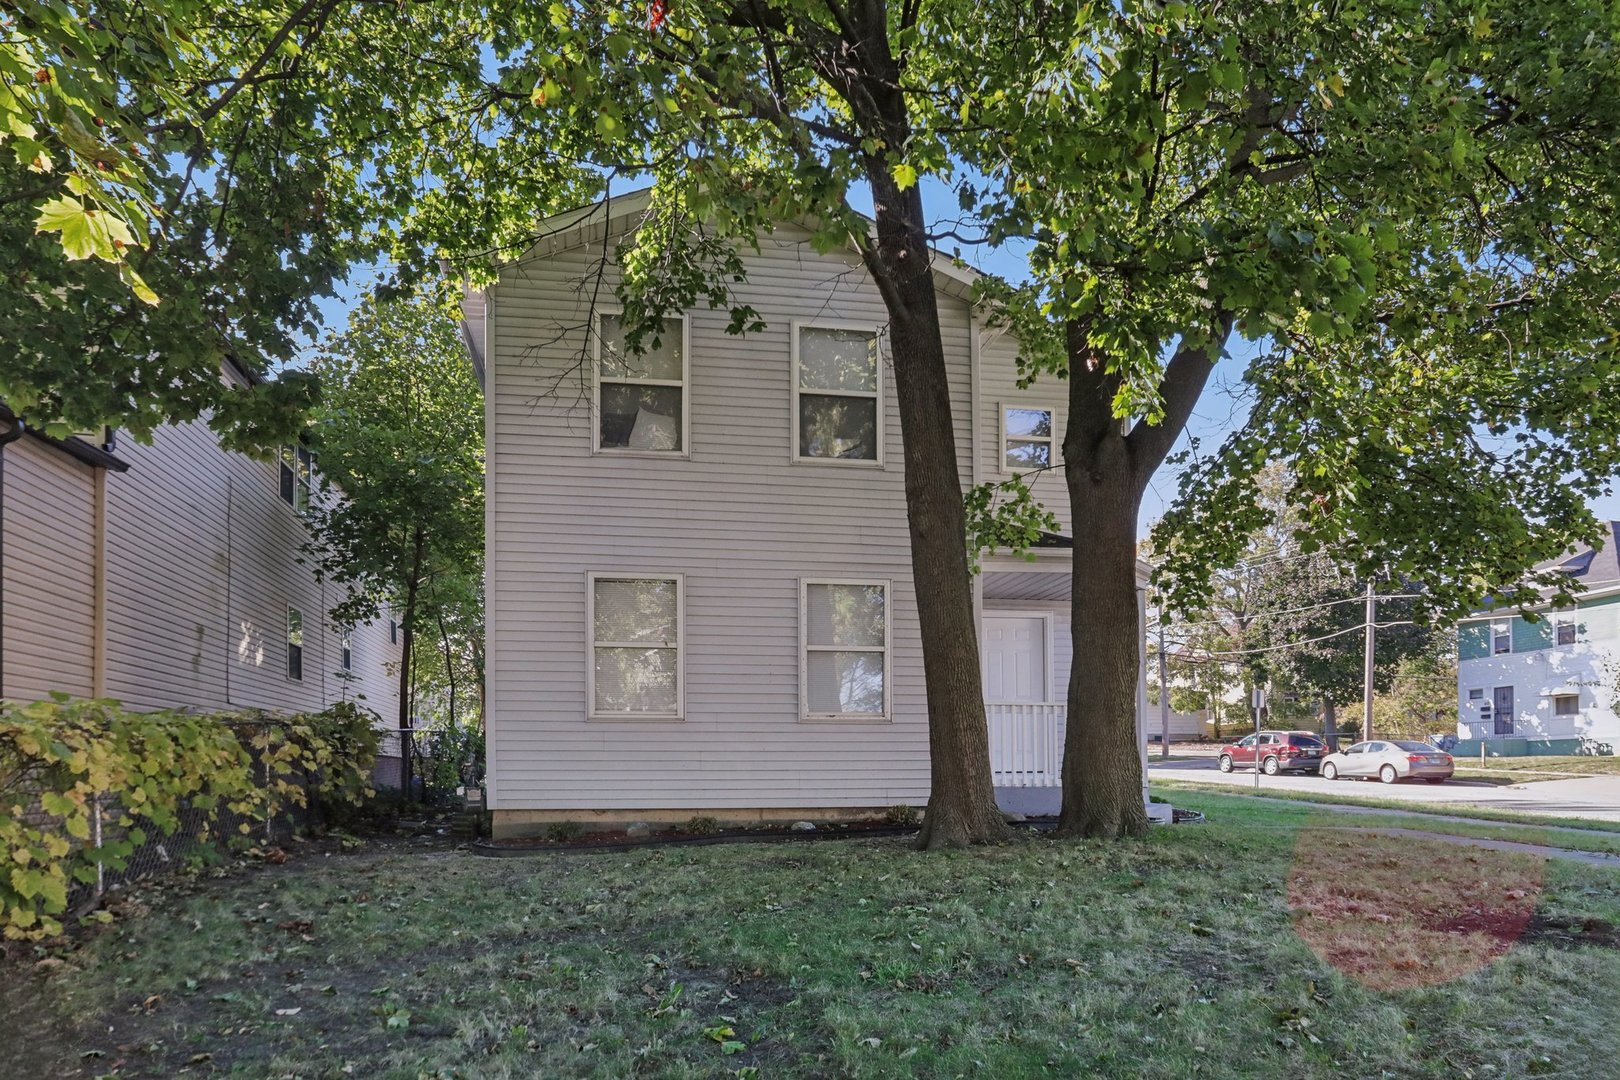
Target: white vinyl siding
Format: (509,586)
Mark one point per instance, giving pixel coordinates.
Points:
(201,565)
(844,650)
(635,656)
(740,520)
(49,573)
(837,394)
(642,400)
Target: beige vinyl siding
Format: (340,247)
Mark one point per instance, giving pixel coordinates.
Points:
(999,390)
(738,519)
(49,573)
(202,561)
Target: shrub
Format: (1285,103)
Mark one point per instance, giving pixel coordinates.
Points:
(563,831)
(901,814)
(61,759)
(702,826)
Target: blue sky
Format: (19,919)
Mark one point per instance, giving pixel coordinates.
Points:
(1223,407)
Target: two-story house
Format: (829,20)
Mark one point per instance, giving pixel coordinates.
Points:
(1548,683)
(169,576)
(699,596)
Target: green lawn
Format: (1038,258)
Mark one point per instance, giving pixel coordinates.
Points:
(1174,957)
(1175,789)
(1242,808)
(1529,769)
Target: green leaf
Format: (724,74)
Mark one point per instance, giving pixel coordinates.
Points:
(904,176)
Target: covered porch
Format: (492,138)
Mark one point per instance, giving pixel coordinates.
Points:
(1025,654)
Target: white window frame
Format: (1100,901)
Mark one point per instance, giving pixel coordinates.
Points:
(1554,698)
(300,461)
(287,635)
(591,644)
(346,651)
(1050,440)
(805,648)
(1506,630)
(1561,620)
(684,383)
(795,454)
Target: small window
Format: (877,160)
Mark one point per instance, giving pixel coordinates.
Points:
(295,644)
(1476,694)
(837,394)
(297,471)
(347,658)
(1026,439)
(1501,638)
(845,659)
(1566,704)
(1564,629)
(635,646)
(393,632)
(641,398)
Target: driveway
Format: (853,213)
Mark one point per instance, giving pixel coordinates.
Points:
(1596,797)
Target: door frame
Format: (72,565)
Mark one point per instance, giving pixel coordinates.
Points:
(1046,618)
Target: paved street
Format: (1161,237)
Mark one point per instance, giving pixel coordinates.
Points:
(1595,797)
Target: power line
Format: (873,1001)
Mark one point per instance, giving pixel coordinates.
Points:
(1356,629)
(1309,607)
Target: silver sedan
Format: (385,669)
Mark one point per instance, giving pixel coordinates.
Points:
(1389,761)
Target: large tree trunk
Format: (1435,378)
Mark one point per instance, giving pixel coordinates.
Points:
(407,668)
(1102,765)
(1330,723)
(962,800)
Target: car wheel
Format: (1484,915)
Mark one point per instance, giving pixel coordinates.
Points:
(1272,767)
(1388,775)
(1436,779)
(1226,763)
(1330,771)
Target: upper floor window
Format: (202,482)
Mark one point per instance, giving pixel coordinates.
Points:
(845,650)
(1026,439)
(297,472)
(635,646)
(641,396)
(346,659)
(1564,629)
(1501,638)
(295,644)
(837,394)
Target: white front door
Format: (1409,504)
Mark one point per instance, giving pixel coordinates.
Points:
(1014,658)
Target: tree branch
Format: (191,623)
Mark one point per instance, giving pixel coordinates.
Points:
(1184,379)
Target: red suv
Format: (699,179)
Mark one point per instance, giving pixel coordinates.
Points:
(1277,751)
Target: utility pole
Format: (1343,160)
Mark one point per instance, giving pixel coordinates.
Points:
(1367,666)
(1164,691)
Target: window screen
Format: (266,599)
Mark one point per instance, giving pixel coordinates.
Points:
(635,646)
(839,393)
(1027,439)
(846,635)
(641,396)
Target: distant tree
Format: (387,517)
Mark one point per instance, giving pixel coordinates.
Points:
(1422,695)
(399,439)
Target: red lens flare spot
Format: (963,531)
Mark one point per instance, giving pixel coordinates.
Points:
(1397,912)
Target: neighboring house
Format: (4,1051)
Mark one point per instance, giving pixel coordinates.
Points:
(699,594)
(1552,679)
(168,576)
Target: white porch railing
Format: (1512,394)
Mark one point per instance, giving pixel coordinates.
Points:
(1026,743)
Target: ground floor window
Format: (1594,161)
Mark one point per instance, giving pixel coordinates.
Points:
(844,659)
(635,661)
(295,644)
(1566,704)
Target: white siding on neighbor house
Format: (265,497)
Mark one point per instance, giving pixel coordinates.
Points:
(203,559)
(738,518)
(49,552)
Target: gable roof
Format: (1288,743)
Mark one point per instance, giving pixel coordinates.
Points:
(584,224)
(1594,566)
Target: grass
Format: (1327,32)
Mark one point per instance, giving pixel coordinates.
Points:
(855,958)
(1243,808)
(1571,765)
(1458,810)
